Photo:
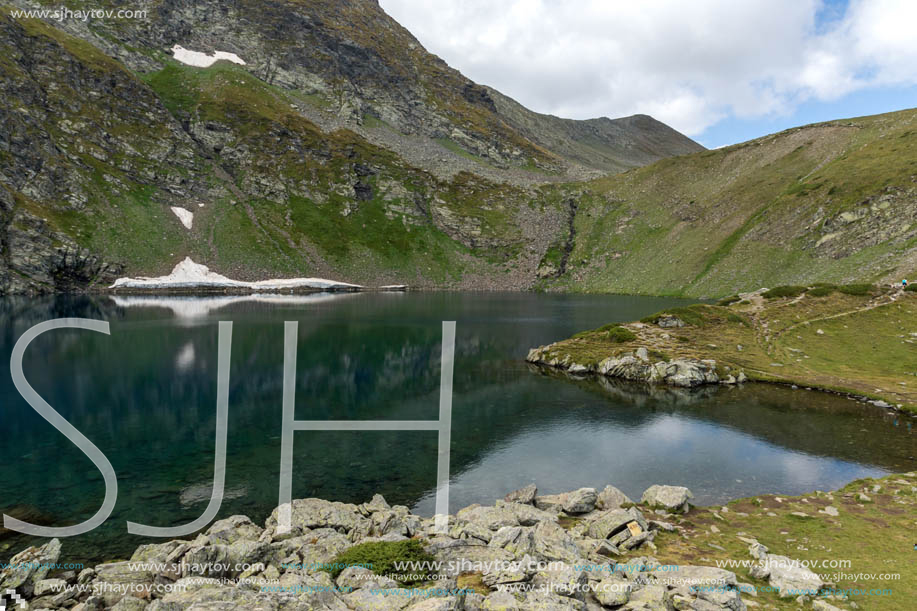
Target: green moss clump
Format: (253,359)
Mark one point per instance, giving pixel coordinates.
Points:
(613,332)
(821,290)
(620,335)
(858,290)
(380,557)
(784,291)
(693,315)
(728,300)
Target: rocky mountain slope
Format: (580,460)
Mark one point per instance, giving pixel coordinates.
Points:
(340,148)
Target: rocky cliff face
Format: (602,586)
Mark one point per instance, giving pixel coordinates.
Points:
(341,148)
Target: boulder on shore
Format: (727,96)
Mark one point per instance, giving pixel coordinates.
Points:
(670,498)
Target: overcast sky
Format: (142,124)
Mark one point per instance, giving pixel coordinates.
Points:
(721,71)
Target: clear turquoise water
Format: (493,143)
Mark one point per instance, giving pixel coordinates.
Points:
(146,395)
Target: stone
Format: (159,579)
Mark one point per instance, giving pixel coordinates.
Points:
(686,373)
(611,498)
(527,515)
(491,518)
(448,603)
(49,586)
(554,543)
(649,597)
(114,578)
(613,591)
(517,540)
(30,566)
(378,503)
(317,513)
(232,529)
(501,601)
(130,603)
(667,321)
(356,577)
(561,579)
(611,522)
(820,605)
(791,578)
(670,498)
(580,501)
(550,502)
(544,601)
(386,600)
(525,495)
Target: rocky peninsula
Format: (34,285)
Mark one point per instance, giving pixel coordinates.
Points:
(584,549)
(791,335)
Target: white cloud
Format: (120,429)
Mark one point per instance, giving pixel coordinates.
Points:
(690,64)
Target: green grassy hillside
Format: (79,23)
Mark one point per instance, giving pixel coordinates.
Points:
(832,202)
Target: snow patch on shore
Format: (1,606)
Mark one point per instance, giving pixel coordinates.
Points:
(191,275)
(202,60)
(185,216)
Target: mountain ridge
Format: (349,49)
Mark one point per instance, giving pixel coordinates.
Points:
(383,167)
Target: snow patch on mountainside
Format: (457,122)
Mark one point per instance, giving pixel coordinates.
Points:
(202,60)
(185,216)
(191,275)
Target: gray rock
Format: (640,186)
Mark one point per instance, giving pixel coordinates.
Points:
(668,321)
(791,578)
(554,543)
(686,373)
(114,578)
(449,603)
(224,560)
(501,601)
(551,502)
(491,518)
(524,495)
(544,601)
(49,586)
(232,529)
(517,540)
(528,515)
(317,513)
(378,503)
(29,566)
(562,579)
(385,600)
(580,501)
(613,591)
(611,498)
(356,577)
(670,498)
(130,603)
(613,521)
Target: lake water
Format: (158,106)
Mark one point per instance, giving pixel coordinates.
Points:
(146,396)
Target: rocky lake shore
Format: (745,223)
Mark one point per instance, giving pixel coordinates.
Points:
(788,335)
(584,549)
